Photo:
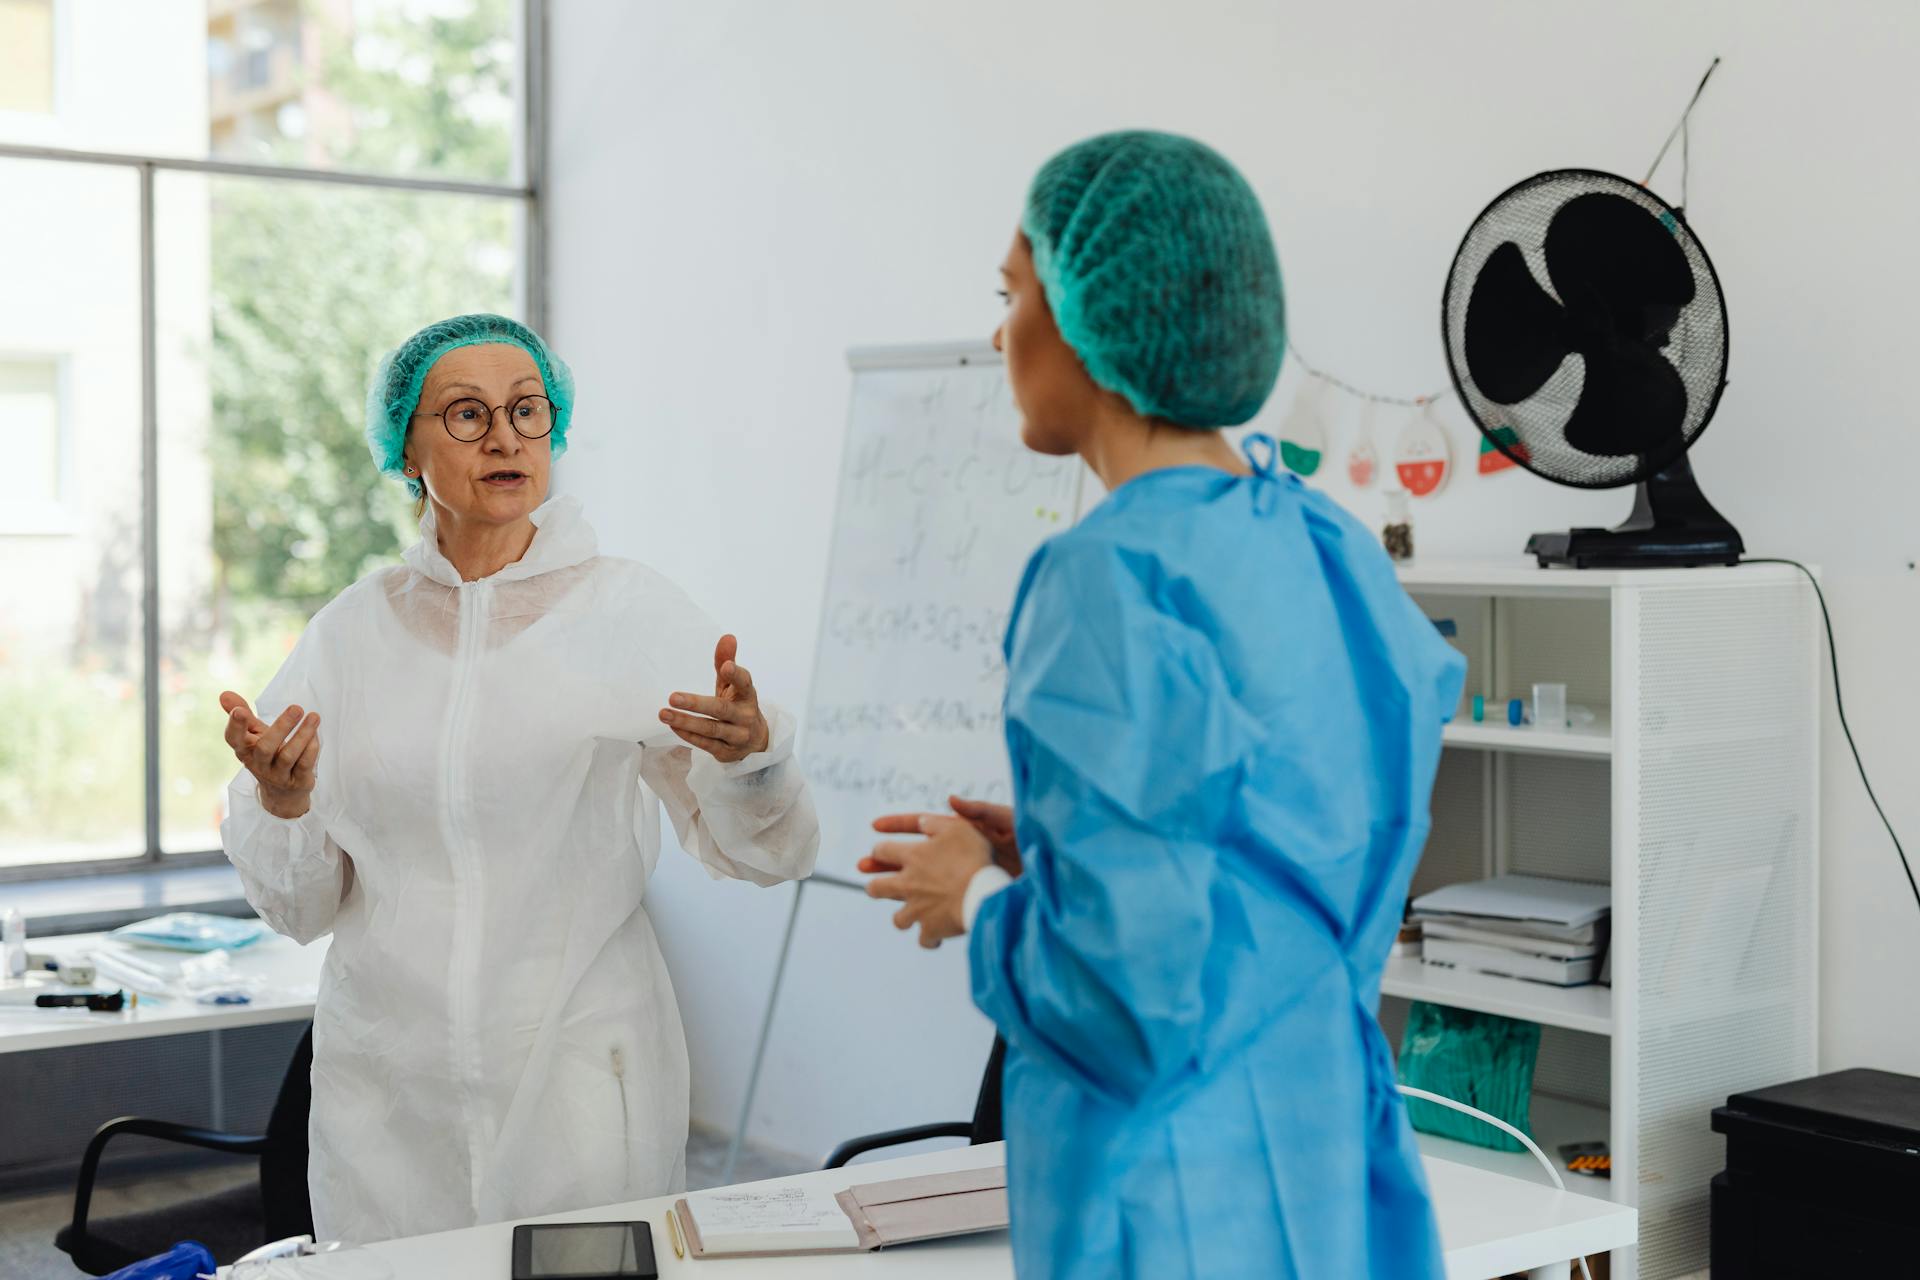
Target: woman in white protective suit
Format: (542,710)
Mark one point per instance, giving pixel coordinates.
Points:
(503,714)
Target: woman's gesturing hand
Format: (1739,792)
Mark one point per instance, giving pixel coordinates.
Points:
(283,757)
(994,821)
(930,876)
(729,725)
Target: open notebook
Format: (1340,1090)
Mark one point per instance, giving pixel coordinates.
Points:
(779,1220)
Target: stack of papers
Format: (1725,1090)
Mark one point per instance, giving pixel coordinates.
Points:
(1530,927)
(776,1219)
(785,1217)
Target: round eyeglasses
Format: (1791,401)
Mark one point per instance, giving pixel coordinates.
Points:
(531,417)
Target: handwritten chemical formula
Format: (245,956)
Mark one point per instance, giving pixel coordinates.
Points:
(940,506)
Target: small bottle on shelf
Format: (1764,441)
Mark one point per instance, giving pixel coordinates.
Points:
(13,943)
(1397,535)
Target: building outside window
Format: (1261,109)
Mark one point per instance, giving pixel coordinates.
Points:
(26,56)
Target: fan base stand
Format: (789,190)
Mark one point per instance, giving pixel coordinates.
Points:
(1672,526)
(1652,549)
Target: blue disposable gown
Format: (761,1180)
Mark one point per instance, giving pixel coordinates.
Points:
(1224,718)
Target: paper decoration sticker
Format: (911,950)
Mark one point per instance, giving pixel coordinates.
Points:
(1362,462)
(1303,436)
(1423,458)
(1491,457)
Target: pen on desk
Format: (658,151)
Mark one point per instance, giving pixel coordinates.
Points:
(96,1001)
(31,997)
(673,1233)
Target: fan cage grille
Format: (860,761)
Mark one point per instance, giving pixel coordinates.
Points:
(1537,425)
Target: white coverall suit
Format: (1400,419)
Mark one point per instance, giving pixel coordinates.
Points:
(496,1035)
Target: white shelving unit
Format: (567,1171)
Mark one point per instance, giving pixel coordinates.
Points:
(1554,1121)
(1575,1008)
(1694,794)
(1595,739)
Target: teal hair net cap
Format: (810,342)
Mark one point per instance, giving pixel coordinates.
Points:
(395,393)
(1162,276)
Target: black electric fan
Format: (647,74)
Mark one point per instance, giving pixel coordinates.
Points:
(1587,336)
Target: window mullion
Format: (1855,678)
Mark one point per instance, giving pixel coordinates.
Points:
(150,513)
(533,143)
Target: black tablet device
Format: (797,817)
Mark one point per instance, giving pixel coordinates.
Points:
(583,1251)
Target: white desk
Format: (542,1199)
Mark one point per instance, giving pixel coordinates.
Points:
(291,971)
(1491,1225)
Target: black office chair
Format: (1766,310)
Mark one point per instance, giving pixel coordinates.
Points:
(231,1222)
(984,1127)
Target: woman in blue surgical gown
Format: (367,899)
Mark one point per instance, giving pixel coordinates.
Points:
(1223,716)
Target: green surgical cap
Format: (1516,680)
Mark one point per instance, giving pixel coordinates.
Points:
(1161,273)
(395,393)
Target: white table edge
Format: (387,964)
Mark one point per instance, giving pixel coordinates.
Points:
(1575,1224)
(1566,1224)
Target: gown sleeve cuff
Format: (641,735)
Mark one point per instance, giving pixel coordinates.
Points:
(986,882)
(290,842)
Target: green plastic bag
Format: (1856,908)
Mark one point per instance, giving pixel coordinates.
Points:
(1481,1059)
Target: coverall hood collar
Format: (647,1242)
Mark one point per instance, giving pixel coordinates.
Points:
(562,539)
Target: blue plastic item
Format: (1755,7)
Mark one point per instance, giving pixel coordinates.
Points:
(1224,717)
(1479,708)
(193,931)
(187,1260)
(1516,712)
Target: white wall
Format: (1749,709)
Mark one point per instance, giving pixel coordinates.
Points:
(740,191)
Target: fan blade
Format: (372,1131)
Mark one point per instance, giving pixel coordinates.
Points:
(1632,403)
(1618,269)
(1516,334)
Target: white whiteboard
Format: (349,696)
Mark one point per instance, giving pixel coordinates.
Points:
(939,508)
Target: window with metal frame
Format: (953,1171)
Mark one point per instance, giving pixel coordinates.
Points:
(229,306)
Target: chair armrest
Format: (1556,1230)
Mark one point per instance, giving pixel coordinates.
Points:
(238,1144)
(896,1138)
